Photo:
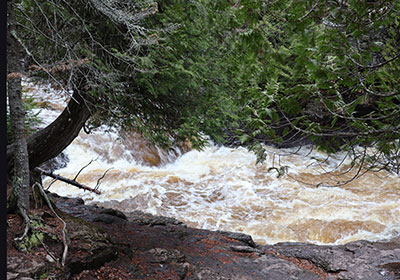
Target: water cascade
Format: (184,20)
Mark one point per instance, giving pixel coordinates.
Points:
(223,188)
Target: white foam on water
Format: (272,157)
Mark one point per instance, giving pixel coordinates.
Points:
(223,188)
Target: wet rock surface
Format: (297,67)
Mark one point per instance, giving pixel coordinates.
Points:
(90,246)
(355,260)
(137,245)
(18,268)
(58,162)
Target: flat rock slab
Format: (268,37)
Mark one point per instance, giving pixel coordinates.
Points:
(362,260)
(152,247)
(22,268)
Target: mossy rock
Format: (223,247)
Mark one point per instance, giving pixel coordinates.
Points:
(90,246)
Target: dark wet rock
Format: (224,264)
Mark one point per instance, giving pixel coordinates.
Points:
(205,273)
(114,212)
(58,162)
(18,268)
(145,246)
(74,201)
(108,219)
(274,267)
(143,218)
(89,246)
(245,238)
(193,239)
(167,256)
(245,249)
(355,260)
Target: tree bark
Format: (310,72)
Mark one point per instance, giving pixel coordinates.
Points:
(53,139)
(19,199)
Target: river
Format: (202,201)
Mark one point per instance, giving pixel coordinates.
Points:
(223,188)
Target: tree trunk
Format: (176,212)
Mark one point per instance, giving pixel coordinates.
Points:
(19,199)
(53,139)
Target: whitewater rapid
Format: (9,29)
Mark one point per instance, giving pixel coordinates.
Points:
(223,188)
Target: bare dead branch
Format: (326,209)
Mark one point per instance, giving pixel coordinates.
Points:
(310,11)
(98,181)
(373,66)
(79,172)
(387,94)
(68,181)
(51,183)
(46,248)
(364,118)
(37,62)
(338,132)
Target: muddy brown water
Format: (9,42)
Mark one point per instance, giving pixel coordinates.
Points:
(223,188)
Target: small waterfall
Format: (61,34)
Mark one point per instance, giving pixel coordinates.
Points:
(223,188)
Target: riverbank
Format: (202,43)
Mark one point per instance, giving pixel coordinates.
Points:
(108,244)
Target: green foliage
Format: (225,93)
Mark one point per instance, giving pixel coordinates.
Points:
(190,70)
(159,67)
(271,71)
(331,71)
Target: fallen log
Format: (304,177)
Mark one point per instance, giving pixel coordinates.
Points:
(66,180)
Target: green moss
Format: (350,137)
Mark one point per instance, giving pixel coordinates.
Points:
(50,272)
(32,241)
(44,275)
(37,237)
(37,223)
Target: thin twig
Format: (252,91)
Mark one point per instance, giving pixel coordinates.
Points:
(84,168)
(98,181)
(309,12)
(51,183)
(373,66)
(47,249)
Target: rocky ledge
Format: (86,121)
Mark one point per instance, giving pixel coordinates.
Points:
(108,244)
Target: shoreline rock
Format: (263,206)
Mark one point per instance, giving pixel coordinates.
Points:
(202,254)
(138,245)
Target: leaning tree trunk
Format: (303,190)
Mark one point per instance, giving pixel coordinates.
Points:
(53,139)
(19,199)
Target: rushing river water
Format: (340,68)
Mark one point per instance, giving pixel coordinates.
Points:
(223,188)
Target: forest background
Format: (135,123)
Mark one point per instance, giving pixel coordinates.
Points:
(237,72)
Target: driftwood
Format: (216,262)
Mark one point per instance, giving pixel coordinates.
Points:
(68,181)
